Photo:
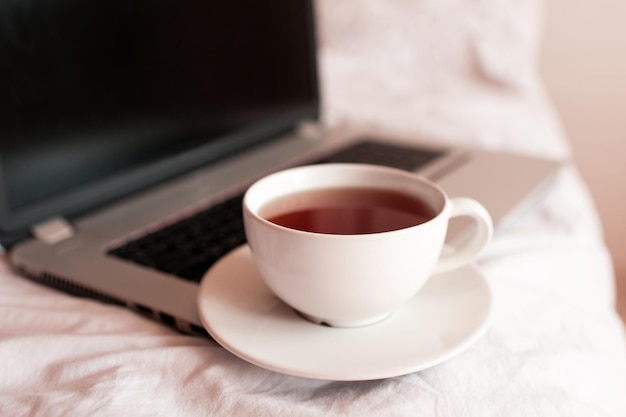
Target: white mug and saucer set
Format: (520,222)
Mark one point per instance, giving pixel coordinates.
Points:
(346,275)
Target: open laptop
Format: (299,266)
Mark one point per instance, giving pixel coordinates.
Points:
(130,130)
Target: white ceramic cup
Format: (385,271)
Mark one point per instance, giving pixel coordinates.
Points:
(357,279)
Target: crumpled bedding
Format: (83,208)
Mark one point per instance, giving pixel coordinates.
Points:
(555,347)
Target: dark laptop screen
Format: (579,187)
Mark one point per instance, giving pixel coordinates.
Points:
(91,90)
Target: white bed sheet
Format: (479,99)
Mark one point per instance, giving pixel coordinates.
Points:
(555,347)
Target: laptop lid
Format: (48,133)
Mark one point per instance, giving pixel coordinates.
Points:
(100,99)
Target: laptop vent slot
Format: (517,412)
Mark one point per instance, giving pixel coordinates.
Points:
(64,285)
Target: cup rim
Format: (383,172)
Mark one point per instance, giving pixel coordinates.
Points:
(350,166)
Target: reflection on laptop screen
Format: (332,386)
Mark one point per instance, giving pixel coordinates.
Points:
(89,89)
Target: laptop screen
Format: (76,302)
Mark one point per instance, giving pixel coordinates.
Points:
(113,95)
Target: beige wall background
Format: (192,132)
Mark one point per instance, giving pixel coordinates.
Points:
(583,64)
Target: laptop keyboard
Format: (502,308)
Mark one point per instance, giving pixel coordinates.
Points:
(189,247)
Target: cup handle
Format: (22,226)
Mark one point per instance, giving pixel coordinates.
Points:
(463,253)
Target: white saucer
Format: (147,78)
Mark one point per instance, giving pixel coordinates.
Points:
(240,312)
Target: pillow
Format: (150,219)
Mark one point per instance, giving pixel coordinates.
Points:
(455,71)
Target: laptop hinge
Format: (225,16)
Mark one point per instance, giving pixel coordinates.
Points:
(53,230)
(310,129)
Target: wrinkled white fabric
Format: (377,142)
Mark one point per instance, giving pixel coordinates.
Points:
(458,71)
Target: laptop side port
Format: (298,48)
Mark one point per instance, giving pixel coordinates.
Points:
(167,319)
(147,311)
(198,330)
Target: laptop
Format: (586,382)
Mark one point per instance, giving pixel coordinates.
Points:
(130,130)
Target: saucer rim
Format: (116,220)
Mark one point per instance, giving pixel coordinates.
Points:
(324,374)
